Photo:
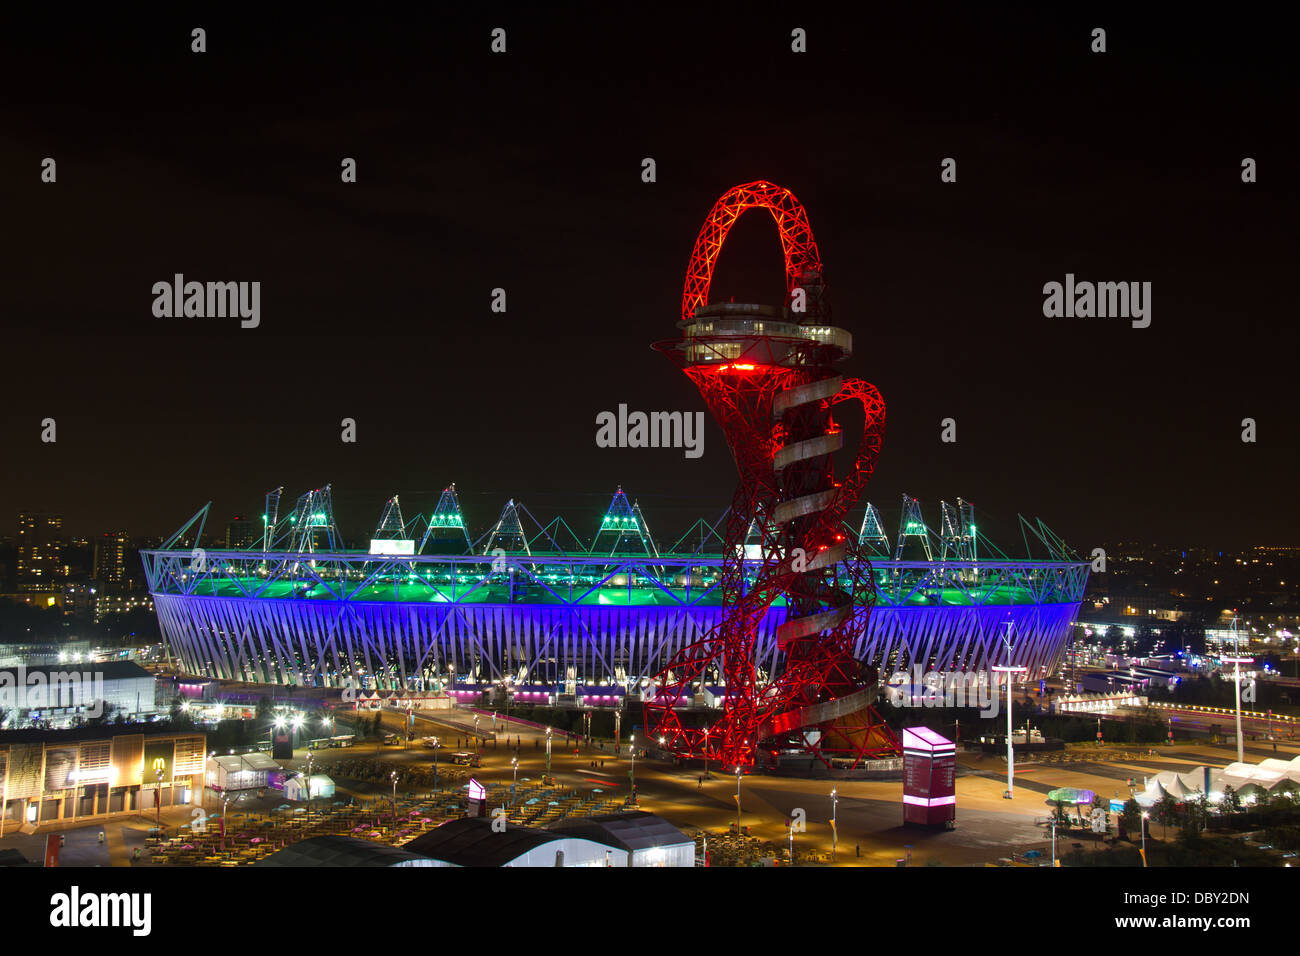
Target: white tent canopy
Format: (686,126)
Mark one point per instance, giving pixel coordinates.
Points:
(239,771)
(308,788)
(1246,779)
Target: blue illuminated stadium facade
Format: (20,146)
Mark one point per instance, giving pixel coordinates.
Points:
(589,626)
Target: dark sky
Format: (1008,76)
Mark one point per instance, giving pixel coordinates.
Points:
(523,171)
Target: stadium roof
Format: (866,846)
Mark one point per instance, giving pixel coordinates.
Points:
(338,851)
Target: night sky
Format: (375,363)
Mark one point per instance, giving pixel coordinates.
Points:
(523,171)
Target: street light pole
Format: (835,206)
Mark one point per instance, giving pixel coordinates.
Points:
(224,803)
(1241,755)
(835,831)
(308,781)
(737,799)
(1144,837)
(159,765)
(548,751)
(1237,662)
(1011,750)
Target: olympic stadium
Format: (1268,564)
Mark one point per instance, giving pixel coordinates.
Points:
(534,609)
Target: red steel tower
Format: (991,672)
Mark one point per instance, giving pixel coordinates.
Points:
(767,375)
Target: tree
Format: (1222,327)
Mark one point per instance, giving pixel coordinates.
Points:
(1167,812)
(104,716)
(1231,801)
(178,716)
(1144,640)
(1200,810)
(1061,814)
(1284,798)
(1131,817)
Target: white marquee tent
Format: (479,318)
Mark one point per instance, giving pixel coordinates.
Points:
(1248,780)
(297,788)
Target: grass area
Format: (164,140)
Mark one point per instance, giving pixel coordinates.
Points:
(468,590)
(1207,849)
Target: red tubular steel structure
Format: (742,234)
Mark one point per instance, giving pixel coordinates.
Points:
(767,376)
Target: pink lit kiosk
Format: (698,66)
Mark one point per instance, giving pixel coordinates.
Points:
(929,772)
(477,799)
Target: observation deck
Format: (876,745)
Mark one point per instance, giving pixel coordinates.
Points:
(743,334)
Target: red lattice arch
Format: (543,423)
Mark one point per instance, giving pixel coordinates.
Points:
(796,238)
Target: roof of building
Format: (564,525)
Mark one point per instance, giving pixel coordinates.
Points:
(632,830)
(106,731)
(1123,678)
(473,842)
(105,670)
(319,781)
(338,851)
(237,763)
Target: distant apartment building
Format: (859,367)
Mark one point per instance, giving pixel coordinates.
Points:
(110,562)
(40,551)
(243,532)
(1153,604)
(106,604)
